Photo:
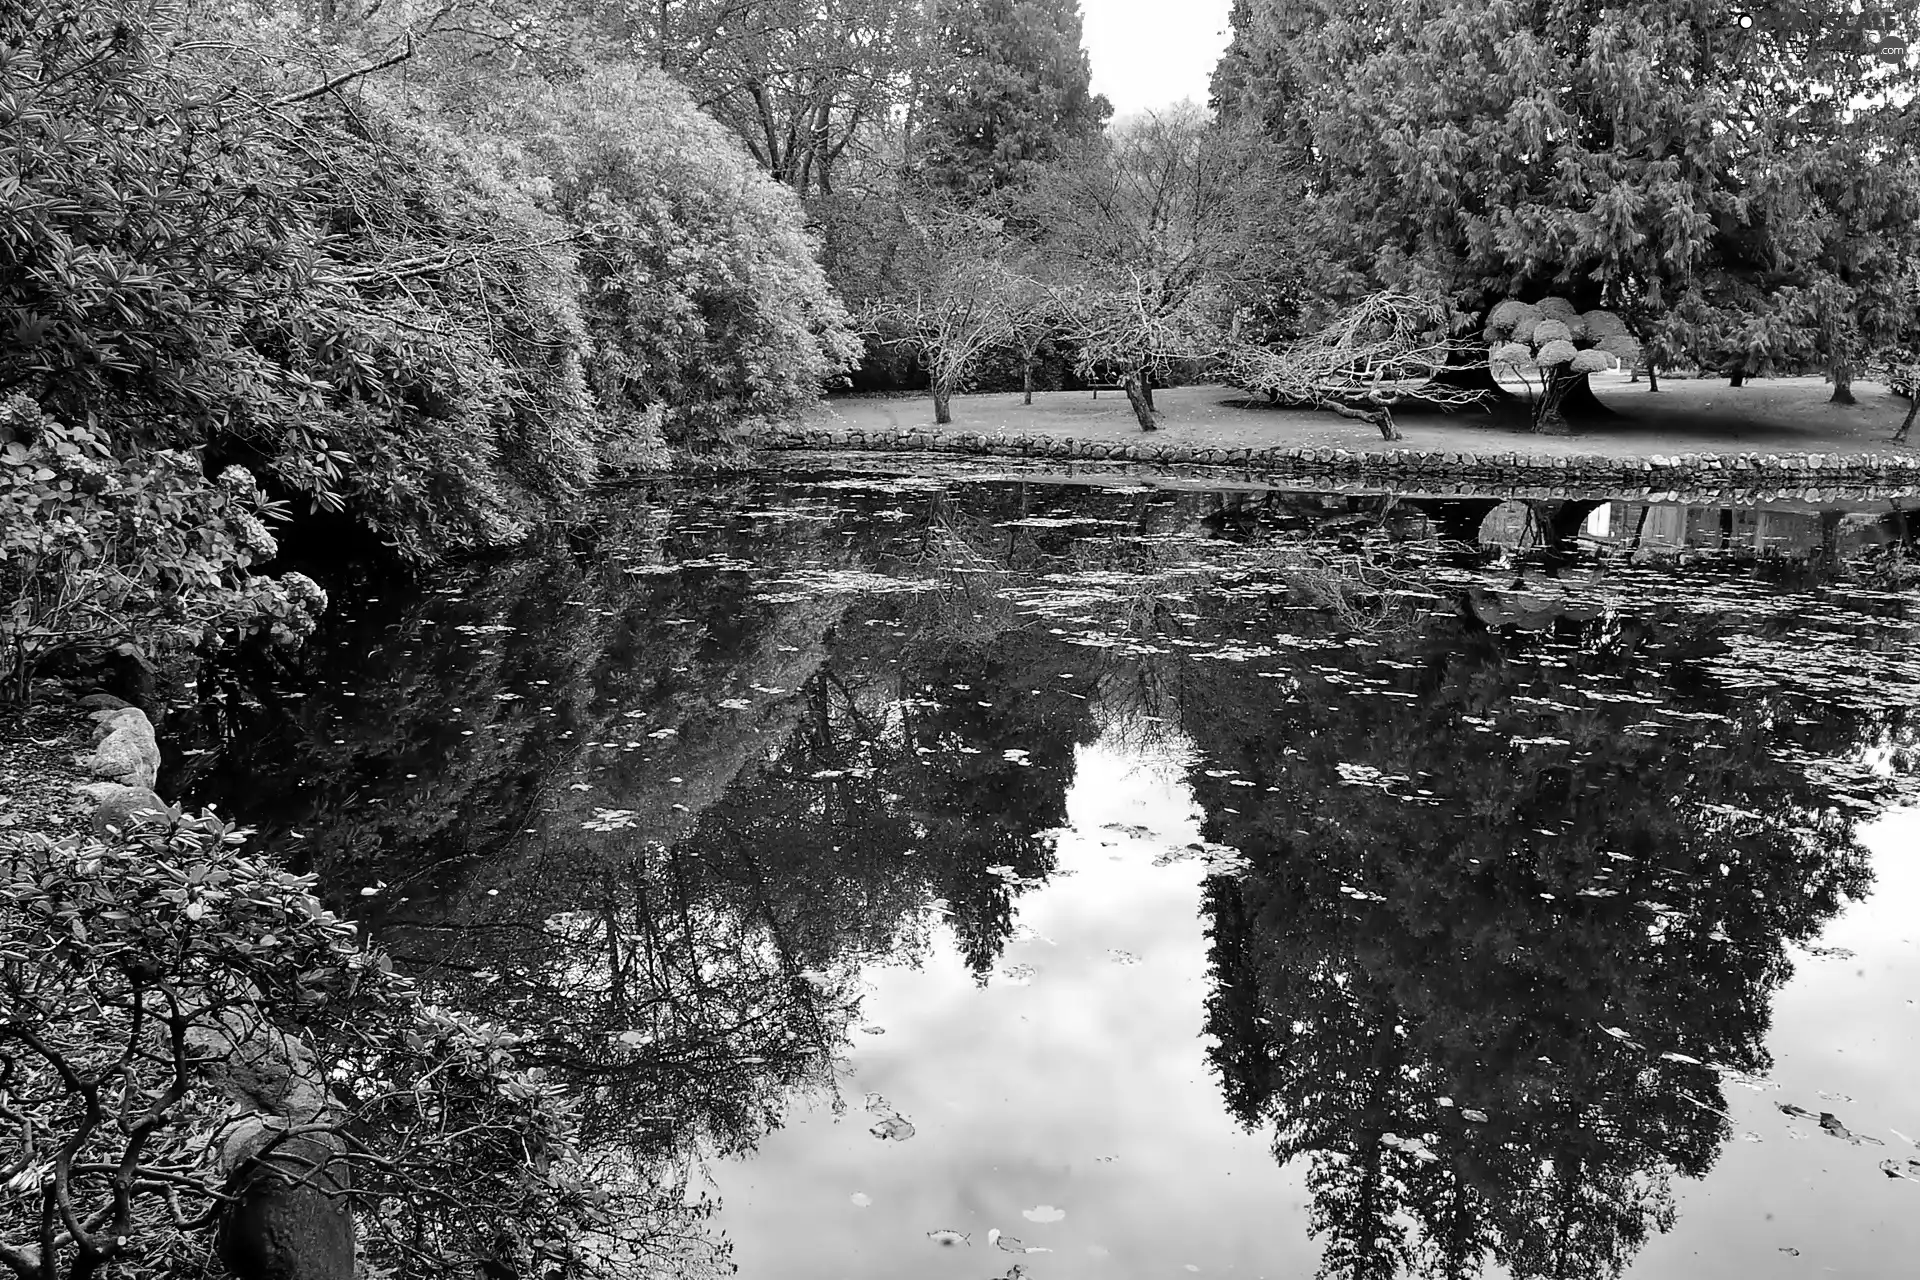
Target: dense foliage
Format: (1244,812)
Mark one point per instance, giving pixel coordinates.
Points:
(1019,98)
(375,301)
(704,302)
(141,557)
(166,992)
(1726,176)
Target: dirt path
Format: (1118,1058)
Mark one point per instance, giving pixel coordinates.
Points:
(1773,415)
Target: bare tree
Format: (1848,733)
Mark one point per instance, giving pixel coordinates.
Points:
(799,83)
(1035,309)
(1160,227)
(1388,349)
(957,300)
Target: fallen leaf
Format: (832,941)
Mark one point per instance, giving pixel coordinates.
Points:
(893,1129)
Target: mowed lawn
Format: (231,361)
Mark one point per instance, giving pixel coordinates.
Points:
(1767,415)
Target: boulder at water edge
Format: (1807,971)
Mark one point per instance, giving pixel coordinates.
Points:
(120,805)
(127,752)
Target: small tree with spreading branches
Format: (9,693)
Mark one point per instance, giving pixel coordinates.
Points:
(1386,350)
(957,300)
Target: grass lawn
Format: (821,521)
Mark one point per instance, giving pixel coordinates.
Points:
(1768,415)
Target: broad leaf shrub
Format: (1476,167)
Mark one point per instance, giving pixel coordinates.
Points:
(150,983)
(143,555)
(702,293)
(443,327)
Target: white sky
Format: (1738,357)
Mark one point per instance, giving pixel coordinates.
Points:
(1149,54)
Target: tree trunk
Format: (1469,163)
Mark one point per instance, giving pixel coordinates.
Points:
(942,408)
(1653,378)
(1548,420)
(1842,371)
(1026,379)
(1906,423)
(1737,375)
(1382,418)
(1579,404)
(1141,399)
(1146,386)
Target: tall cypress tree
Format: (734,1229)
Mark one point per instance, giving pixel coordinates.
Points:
(1015,91)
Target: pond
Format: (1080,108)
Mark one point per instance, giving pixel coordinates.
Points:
(981,875)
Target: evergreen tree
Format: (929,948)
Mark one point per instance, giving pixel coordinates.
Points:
(1652,156)
(1016,92)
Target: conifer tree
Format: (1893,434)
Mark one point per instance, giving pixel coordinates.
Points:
(1014,93)
(1671,160)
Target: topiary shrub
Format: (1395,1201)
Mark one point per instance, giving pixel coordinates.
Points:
(1552,347)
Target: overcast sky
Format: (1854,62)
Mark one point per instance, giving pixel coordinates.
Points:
(1152,53)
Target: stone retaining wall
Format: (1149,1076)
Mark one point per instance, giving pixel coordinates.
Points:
(1814,476)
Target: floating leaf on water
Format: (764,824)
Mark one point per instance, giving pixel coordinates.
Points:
(1908,1169)
(1043,1213)
(948,1239)
(873,1031)
(1011,1244)
(1681,1057)
(1414,1147)
(1831,1123)
(1732,1075)
(1790,1251)
(1122,957)
(893,1129)
(860,1199)
(1018,975)
(1478,1117)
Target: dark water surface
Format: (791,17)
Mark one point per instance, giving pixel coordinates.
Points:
(980,877)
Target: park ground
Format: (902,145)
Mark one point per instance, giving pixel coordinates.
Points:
(1767,415)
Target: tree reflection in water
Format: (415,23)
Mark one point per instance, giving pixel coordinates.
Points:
(1519,884)
(1509,923)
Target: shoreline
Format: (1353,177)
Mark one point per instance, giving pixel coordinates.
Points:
(1696,436)
(1753,475)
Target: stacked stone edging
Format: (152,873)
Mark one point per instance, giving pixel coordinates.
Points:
(125,761)
(1808,475)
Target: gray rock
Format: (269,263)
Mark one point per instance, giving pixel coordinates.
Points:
(127,752)
(103,702)
(120,805)
(282,1224)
